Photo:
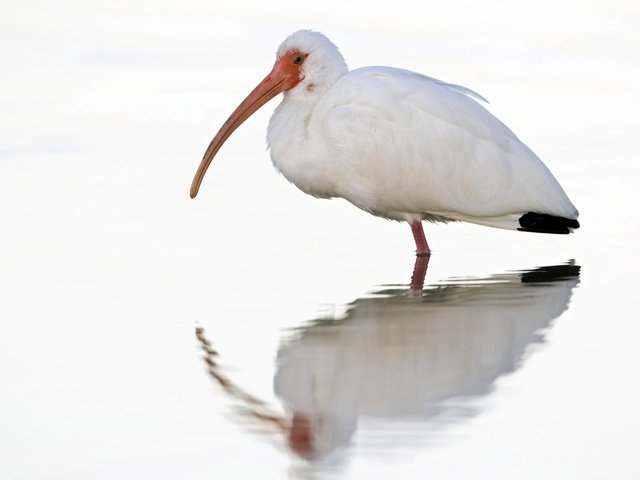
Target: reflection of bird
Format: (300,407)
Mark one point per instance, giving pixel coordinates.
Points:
(397,144)
(399,356)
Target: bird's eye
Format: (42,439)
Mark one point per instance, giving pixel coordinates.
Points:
(297,60)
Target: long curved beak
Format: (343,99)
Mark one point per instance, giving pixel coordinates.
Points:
(276,82)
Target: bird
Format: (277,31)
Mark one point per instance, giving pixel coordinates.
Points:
(397,144)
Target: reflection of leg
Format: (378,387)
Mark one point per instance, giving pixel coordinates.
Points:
(421,242)
(419,273)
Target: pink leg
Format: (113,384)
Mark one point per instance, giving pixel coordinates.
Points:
(419,273)
(421,241)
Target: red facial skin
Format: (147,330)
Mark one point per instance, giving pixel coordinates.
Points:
(286,74)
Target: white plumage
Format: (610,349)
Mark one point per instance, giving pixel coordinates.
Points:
(398,144)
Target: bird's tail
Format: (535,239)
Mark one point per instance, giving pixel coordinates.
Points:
(544,223)
(527,222)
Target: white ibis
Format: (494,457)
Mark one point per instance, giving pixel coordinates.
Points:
(397,144)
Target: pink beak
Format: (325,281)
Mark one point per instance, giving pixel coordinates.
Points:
(284,75)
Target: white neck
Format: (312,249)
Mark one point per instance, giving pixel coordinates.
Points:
(296,146)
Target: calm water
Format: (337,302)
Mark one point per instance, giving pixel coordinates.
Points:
(257,332)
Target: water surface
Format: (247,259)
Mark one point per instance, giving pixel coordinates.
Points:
(517,360)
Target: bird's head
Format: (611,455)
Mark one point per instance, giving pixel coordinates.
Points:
(306,66)
(320,66)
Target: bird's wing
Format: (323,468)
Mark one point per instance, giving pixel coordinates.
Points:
(410,143)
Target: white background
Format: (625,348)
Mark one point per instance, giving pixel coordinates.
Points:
(107,266)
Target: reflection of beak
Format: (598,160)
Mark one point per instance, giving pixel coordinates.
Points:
(301,435)
(279,80)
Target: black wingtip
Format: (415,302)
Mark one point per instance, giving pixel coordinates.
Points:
(544,223)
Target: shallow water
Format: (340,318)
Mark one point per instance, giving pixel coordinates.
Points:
(417,359)
(518,359)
